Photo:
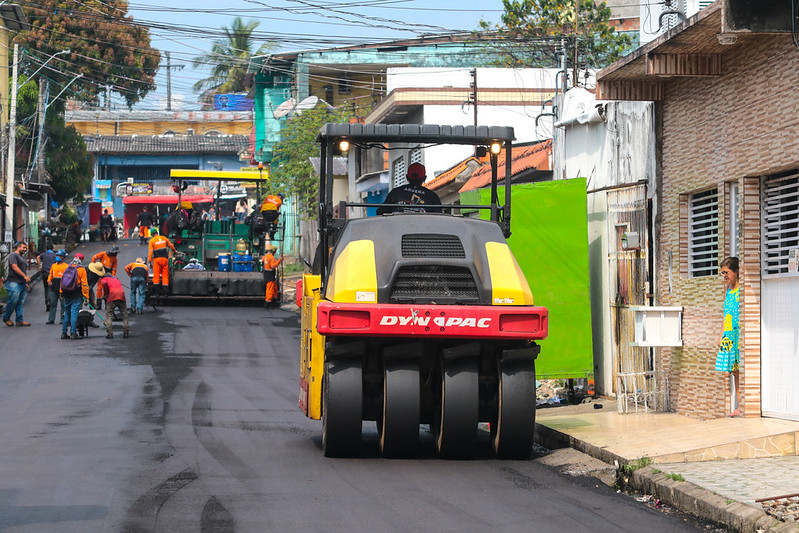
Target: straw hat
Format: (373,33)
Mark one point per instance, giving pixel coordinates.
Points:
(97,268)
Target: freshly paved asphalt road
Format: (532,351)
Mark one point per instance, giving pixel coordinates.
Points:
(192,425)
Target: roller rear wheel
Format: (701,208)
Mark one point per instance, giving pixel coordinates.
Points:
(398,425)
(455,422)
(342,408)
(513,433)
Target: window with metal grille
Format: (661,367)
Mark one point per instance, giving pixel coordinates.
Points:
(703,234)
(780,224)
(398,172)
(415,156)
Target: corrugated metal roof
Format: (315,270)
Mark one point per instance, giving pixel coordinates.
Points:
(167,144)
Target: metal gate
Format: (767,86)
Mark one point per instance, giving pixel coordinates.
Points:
(780,296)
(637,383)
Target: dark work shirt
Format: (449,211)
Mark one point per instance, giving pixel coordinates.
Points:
(46,260)
(413,195)
(106,221)
(15,259)
(145,218)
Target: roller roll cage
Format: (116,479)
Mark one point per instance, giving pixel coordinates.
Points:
(372,135)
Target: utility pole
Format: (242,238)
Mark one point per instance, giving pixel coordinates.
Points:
(12,147)
(40,154)
(169,68)
(474,93)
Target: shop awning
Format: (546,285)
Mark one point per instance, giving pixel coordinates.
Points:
(167,199)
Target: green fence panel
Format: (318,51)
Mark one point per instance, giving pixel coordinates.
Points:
(549,237)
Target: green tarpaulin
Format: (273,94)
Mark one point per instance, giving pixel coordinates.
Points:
(550,241)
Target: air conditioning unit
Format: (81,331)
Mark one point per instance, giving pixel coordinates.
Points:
(657,326)
(756,16)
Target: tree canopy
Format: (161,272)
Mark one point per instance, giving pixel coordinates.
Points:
(66,159)
(292,171)
(106,46)
(229,58)
(532,34)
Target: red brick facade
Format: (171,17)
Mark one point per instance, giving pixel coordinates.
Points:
(736,127)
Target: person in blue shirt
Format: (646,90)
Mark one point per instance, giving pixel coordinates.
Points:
(728,359)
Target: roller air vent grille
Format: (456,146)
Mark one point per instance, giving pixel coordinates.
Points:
(434,283)
(432,245)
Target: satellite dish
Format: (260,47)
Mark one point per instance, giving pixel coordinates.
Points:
(307,103)
(285,108)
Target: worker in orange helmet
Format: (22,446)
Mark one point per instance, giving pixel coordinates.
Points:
(270,277)
(158,257)
(108,259)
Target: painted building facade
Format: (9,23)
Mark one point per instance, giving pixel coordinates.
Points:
(728,186)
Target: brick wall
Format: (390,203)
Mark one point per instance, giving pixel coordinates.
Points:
(733,128)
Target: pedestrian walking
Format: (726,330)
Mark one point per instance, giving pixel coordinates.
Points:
(110,289)
(270,277)
(728,359)
(138,273)
(75,292)
(46,260)
(17,284)
(241,210)
(54,284)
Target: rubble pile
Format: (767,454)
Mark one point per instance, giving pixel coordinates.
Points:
(785,508)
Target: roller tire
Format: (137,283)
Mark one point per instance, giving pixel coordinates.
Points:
(342,408)
(455,421)
(513,433)
(398,424)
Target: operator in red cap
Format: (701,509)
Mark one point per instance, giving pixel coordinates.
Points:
(412,193)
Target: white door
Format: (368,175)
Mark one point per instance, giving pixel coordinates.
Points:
(780,296)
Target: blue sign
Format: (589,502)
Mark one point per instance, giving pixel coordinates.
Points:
(233,102)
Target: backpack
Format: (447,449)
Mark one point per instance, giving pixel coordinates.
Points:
(69,280)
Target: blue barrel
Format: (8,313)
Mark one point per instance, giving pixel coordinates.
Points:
(242,263)
(224,262)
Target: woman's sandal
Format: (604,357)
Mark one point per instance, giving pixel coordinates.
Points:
(735,413)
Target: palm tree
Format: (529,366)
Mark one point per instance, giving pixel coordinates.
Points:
(229,58)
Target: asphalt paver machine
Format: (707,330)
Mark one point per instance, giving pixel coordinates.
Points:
(227,251)
(412,319)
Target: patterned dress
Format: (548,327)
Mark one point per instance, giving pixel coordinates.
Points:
(727,359)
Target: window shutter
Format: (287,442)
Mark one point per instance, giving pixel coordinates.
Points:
(780,223)
(703,253)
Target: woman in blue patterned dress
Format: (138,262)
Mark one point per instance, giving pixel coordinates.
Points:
(727,359)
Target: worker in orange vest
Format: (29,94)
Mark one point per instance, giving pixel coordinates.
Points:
(270,277)
(158,257)
(108,259)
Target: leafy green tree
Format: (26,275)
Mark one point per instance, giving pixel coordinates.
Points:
(70,166)
(532,34)
(229,58)
(292,172)
(106,46)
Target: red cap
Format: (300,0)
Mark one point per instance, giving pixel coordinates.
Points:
(79,256)
(416,172)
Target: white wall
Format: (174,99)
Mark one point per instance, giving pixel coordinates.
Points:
(618,151)
(497,78)
(439,158)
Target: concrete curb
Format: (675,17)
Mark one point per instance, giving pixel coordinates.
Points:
(682,495)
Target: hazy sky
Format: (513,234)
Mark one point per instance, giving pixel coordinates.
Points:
(187,28)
